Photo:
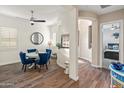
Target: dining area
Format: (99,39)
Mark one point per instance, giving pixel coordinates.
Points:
(34,59)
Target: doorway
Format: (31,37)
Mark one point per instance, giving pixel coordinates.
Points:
(111,43)
(84,40)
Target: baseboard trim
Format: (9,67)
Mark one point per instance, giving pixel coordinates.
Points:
(84,59)
(60,65)
(9,63)
(96,66)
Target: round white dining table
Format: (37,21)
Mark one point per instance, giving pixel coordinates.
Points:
(33,56)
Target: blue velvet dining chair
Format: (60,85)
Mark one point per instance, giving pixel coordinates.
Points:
(49,51)
(31,50)
(25,61)
(43,59)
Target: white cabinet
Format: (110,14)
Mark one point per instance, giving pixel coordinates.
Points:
(62,57)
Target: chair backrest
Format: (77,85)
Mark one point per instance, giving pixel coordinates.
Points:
(43,58)
(22,57)
(49,51)
(31,50)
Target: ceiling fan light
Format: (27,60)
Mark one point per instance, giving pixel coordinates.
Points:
(32,19)
(31,22)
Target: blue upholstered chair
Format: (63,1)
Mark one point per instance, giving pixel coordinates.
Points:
(43,59)
(49,51)
(24,60)
(31,50)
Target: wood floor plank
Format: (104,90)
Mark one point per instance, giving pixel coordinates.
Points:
(89,77)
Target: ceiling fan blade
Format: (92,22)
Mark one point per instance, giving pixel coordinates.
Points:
(39,20)
(35,20)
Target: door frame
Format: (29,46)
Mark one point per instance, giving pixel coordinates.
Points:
(121,49)
(90,19)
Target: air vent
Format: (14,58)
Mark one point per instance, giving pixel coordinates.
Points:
(104,6)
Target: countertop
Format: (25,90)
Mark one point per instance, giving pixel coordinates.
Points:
(111,50)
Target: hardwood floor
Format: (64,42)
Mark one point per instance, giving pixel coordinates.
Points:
(54,77)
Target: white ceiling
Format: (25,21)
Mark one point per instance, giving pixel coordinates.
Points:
(97,9)
(50,13)
(47,12)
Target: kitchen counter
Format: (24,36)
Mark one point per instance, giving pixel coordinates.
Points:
(112,50)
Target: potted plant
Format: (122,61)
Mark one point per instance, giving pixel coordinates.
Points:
(58,45)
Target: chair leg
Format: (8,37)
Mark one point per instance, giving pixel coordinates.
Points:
(49,61)
(46,67)
(40,68)
(35,66)
(22,66)
(25,68)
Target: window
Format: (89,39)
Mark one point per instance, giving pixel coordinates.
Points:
(8,37)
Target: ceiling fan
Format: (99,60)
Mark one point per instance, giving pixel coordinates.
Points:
(32,19)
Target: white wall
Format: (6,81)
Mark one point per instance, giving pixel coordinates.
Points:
(73,30)
(68,25)
(60,28)
(84,51)
(8,56)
